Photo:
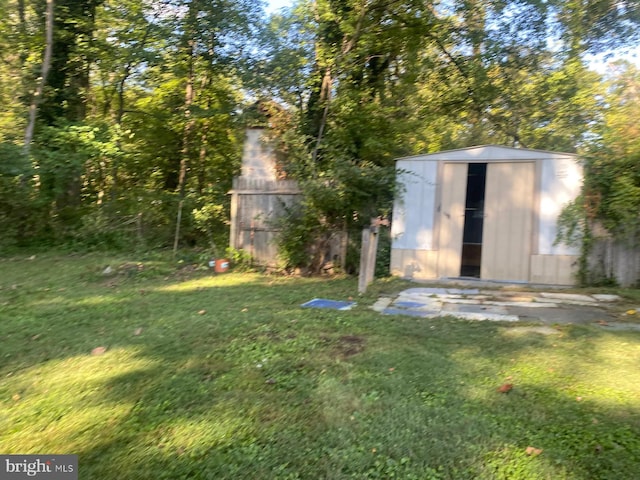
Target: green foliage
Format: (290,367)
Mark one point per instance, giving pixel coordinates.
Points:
(143,100)
(572,223)
(240,260)
(23,215)
(299,231)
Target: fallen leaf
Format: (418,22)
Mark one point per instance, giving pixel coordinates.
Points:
(98,351)
(507,387)
(16,397)
(137,331)
(631,312)
(391,369)
(578,399)
(202,312)
(533,451)
(36,336)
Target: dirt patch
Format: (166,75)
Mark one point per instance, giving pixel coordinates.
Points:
(350,345)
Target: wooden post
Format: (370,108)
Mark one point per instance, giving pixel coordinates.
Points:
(368,257)
(369,252)
(235,229)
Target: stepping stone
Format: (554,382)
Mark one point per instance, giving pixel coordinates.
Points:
(602,297)
(407,304)
(463,291)
(548,301)
(411,313)
(515,298)
(524,304)
(456,307)
(440,291)
(420,302)
(461,301)
(621,327)
(574,297)
(381,304)
(425,291)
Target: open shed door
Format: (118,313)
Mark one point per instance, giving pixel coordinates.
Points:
(454,181)
(508,222)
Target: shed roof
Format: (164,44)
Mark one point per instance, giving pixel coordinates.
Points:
(488,153)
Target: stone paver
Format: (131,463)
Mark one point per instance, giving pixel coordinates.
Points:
(572,297)
(522,304)
(621,326)
(602,297)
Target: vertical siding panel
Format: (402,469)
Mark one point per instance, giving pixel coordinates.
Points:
(506,244)
(454,191)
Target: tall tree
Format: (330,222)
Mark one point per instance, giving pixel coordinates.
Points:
(44,72)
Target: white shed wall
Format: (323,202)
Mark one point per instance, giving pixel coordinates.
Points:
(413,211)
(560,183)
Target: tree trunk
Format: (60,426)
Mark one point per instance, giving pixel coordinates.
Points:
(186,136)
(46,64)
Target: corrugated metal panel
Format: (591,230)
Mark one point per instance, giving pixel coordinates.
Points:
(508,223)
(413,211)
(415,264)
(561,182)
(454,191)
(554,269)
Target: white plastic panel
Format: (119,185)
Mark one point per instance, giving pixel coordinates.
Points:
(560,183)
(413,210)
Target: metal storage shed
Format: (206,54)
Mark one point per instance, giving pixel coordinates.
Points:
(488,212)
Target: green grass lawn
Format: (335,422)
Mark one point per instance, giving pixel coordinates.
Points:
(225,376)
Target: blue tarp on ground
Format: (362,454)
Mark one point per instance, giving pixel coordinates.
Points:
(331,304)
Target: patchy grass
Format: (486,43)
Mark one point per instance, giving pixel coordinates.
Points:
(225,376)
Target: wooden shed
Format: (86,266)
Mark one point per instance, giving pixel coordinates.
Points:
(487,212)
(258,198)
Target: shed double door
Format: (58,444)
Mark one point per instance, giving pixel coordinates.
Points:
(508,220)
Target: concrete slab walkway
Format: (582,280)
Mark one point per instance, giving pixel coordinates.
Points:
(501,305)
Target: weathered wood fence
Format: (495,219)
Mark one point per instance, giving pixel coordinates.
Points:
(256,204)
(616,260)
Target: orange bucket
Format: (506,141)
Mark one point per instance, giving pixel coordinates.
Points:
(222,265)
